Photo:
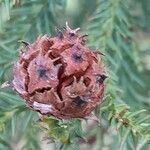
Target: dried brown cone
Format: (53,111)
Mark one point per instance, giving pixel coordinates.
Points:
(60,76)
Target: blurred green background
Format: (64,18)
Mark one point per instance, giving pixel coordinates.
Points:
(118,28)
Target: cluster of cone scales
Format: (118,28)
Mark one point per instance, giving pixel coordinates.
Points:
(60,76)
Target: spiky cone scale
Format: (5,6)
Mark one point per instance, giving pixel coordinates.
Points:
(60,76)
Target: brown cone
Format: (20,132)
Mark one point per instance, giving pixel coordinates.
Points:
(60,76)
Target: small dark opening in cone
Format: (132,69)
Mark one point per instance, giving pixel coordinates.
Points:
(77,57)
(100,78)
(78,101)
(42,73)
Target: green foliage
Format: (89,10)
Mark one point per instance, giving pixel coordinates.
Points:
(116,40)
(124,115)
(22,19)
(63,133)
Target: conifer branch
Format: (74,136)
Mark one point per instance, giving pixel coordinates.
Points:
(109,28)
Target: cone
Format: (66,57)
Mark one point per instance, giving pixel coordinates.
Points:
(60,76)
